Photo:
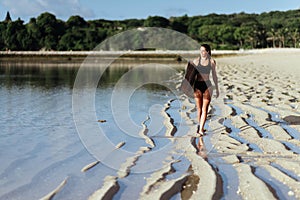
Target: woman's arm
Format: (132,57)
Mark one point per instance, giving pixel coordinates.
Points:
(215,77)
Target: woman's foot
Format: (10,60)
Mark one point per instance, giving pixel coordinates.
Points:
(200,132)
(198,129)
(203,132)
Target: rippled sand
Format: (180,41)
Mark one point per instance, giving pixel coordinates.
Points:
(252,146)
(256,140)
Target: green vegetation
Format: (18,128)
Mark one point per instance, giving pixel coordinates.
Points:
(232,31)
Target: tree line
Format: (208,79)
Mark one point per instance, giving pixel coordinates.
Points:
(223,31)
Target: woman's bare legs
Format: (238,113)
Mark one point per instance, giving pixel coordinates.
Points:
(199,101)
(205,105)
(202,104)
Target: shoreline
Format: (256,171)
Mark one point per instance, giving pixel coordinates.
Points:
(77,57)
(50,58)
(141,53)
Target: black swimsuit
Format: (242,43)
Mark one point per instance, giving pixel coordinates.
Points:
(202,85)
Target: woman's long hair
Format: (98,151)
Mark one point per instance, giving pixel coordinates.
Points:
(207,48)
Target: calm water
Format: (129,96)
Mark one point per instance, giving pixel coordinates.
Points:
(40,145)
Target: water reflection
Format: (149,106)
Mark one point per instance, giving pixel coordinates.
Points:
(47,77)
(198,143)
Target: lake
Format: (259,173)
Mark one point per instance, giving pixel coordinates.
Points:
(54,122)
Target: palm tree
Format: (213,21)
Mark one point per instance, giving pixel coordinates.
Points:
(272,36)
(282,36)
(295,36)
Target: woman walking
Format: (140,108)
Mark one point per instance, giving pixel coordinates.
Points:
(202,86)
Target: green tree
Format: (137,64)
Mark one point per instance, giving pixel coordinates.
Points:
(133,23)
(238,20)
(241,30)
(2,35)
(179,23)
(272,36)
(295,37)
(214,19)
(50,30)
(72,40)
(76,21)
(225,34)
(207,33)
(241,35)
(15,35)
(33,35)
(94,37)
(156,21)
(7,18)
(256,35)
(195,23)
(282,34)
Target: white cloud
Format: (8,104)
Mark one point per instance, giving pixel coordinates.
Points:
(60,8)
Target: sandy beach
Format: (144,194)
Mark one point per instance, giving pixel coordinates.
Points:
(250,149)
(252,146)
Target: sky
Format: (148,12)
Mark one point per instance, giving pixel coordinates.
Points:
(139,9)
